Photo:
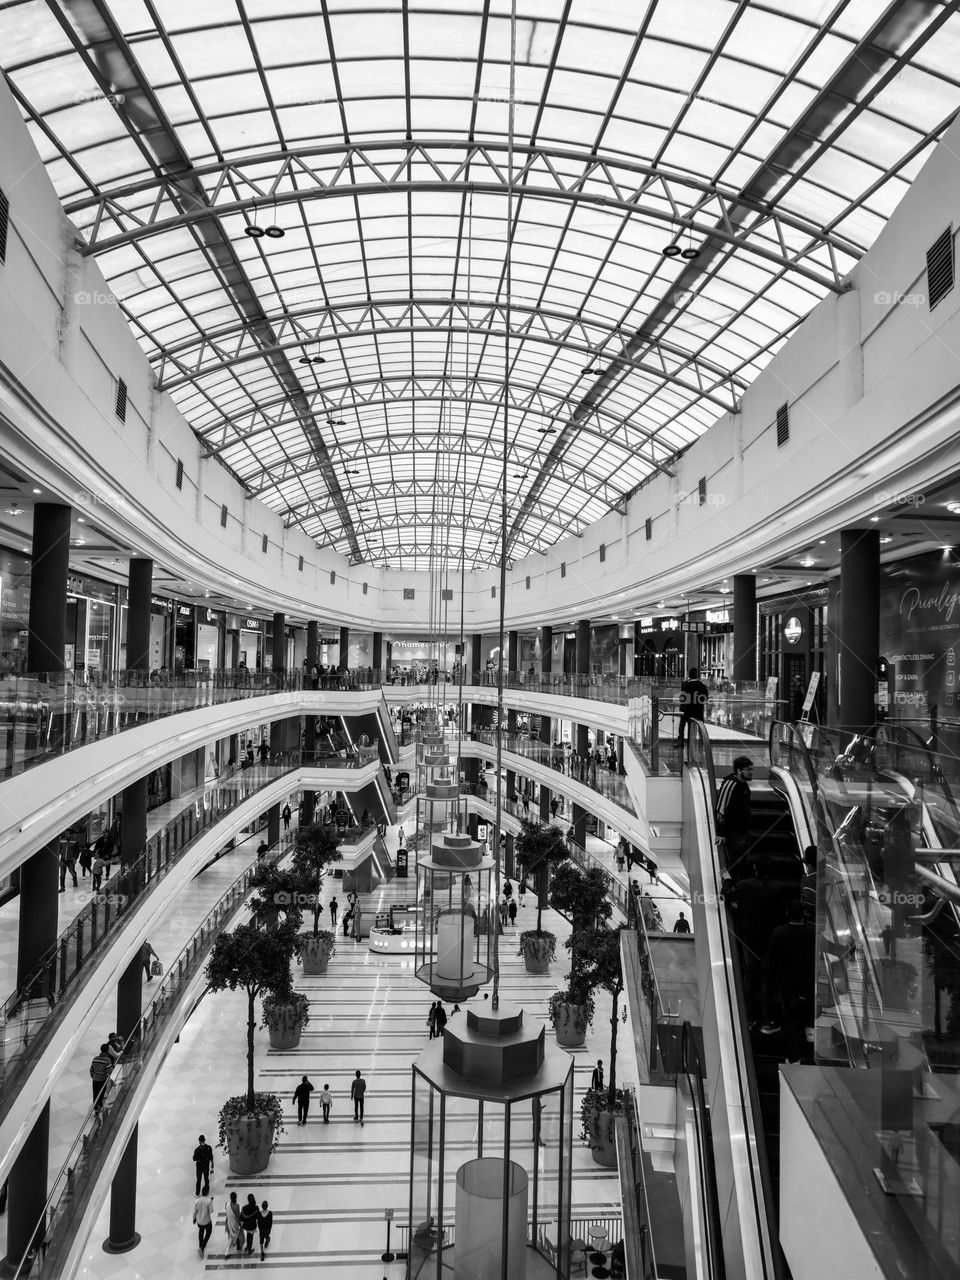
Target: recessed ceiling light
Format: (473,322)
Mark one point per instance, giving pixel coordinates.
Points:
(875,519)
(808,562)
(888,537)
(38,491)
(80,520)
(823,542)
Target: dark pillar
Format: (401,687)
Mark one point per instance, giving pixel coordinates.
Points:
(511,783)
(38,929)
(273,825)
(309,810)
(544,803)
(139,588)
(546,650)
(27,1191)
(133,830)
(509,865)
(744,627)
(637,641)
(378,653)
(583,739)
(545,729)
(579,825)
(475,642)
(343,662)
(513,650)
(279,655)
(583,647)
(48,587)
(859,629)
(313,643)
(123,1201)
(310,721)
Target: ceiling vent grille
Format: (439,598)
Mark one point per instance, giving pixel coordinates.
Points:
(300,565)
(409,593)
(120,407)
(648,528)
(4,224)
(264,543)
(223,516)
(366,587)
(446,593)
(333,577)
(702,490)
(603,552)
(563,568)
(940,268)
(783,425)
(179,473)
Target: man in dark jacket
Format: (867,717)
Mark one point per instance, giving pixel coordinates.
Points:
(733,810)
(203,1159)
(791,969)
(693,701)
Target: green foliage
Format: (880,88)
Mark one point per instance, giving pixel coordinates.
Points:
(539,942)
(599,966)
(296,1001)
(539,847)
(316,846)
(597,1115)
(258,1104)
(284,892)
(577,997)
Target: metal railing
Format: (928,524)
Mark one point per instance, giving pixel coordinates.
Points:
(80,1172)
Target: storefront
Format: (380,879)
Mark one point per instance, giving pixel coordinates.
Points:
(252,634)
(14,611)
(92,639)
(211,631)
(661,648)
(793,639)
(184,643)
(710,643)
(920,636)
(161,632)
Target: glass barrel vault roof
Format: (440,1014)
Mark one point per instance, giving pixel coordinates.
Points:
(771,139)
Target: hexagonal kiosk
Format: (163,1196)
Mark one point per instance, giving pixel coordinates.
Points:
(491,1146)
(455,928)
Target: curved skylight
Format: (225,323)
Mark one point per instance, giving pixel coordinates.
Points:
(762,146)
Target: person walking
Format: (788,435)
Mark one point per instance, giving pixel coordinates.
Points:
(512,911)
(203,1159)
(100,1069)
(733,810)
(326,1102)
(333,912)
(263,751)
(441,1018)
(554,806)
(286,813)
(682,925)
(147,957)
(432,1021)
(68,862)
(596,1080)
(358,1089)
(203,1219)
(98,869)
(265,1227)
(401,837)
(301,1096)
(231,1224)
(692,702)
(249,1220)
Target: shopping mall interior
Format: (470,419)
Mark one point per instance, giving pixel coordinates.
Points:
(479,633)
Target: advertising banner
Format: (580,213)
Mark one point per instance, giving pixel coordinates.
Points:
(920,633)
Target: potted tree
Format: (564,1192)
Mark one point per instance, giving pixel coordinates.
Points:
(285,1014)
(315,848)
(538,848)
(581,896)
(600,957)
(276,894)
(258,962)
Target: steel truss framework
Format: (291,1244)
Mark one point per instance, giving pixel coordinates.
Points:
(708,211)
(235,344)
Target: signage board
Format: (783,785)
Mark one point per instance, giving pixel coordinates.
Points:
(793,630)
(401,859)
(810,695)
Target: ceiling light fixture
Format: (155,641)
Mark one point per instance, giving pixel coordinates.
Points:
(312,360)
(38,491)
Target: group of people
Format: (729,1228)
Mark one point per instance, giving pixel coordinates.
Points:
(102,1066)
(92,857)
(436,1020)
(241,1223)
(301,1096)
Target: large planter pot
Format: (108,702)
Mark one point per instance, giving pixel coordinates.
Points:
(536,955)
(285,1024)
(249,1143)
(604,1150)
(316,955)
(570,1026)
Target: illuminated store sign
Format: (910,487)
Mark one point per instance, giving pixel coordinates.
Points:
(792,630)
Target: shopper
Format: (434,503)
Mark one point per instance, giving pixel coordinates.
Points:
(263,751)
(286,813)
(301,1096)
(682,925)
(265,1227)
(596,1080)
(733,810)
(358,1089)
(512,911)
(693,703)
(203,1219)
(326,1102)
(147,957)
(203,1159)
(100,1069)
(333,913)
(249,1221)
(432,1021)
(441,1018)
(231,1224)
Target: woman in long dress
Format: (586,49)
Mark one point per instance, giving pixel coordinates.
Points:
(231,1224)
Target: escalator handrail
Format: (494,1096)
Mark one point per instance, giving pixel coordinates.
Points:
(762,1191)
(694,1071)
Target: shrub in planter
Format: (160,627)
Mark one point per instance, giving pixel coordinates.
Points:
(538,947)
(598,1113)
(257,962)
(317,950)
(277,895)
(538,848)
(571,1012)
(599,966)
(285,1014)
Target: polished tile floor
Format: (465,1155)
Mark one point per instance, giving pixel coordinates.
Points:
(327,1184)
